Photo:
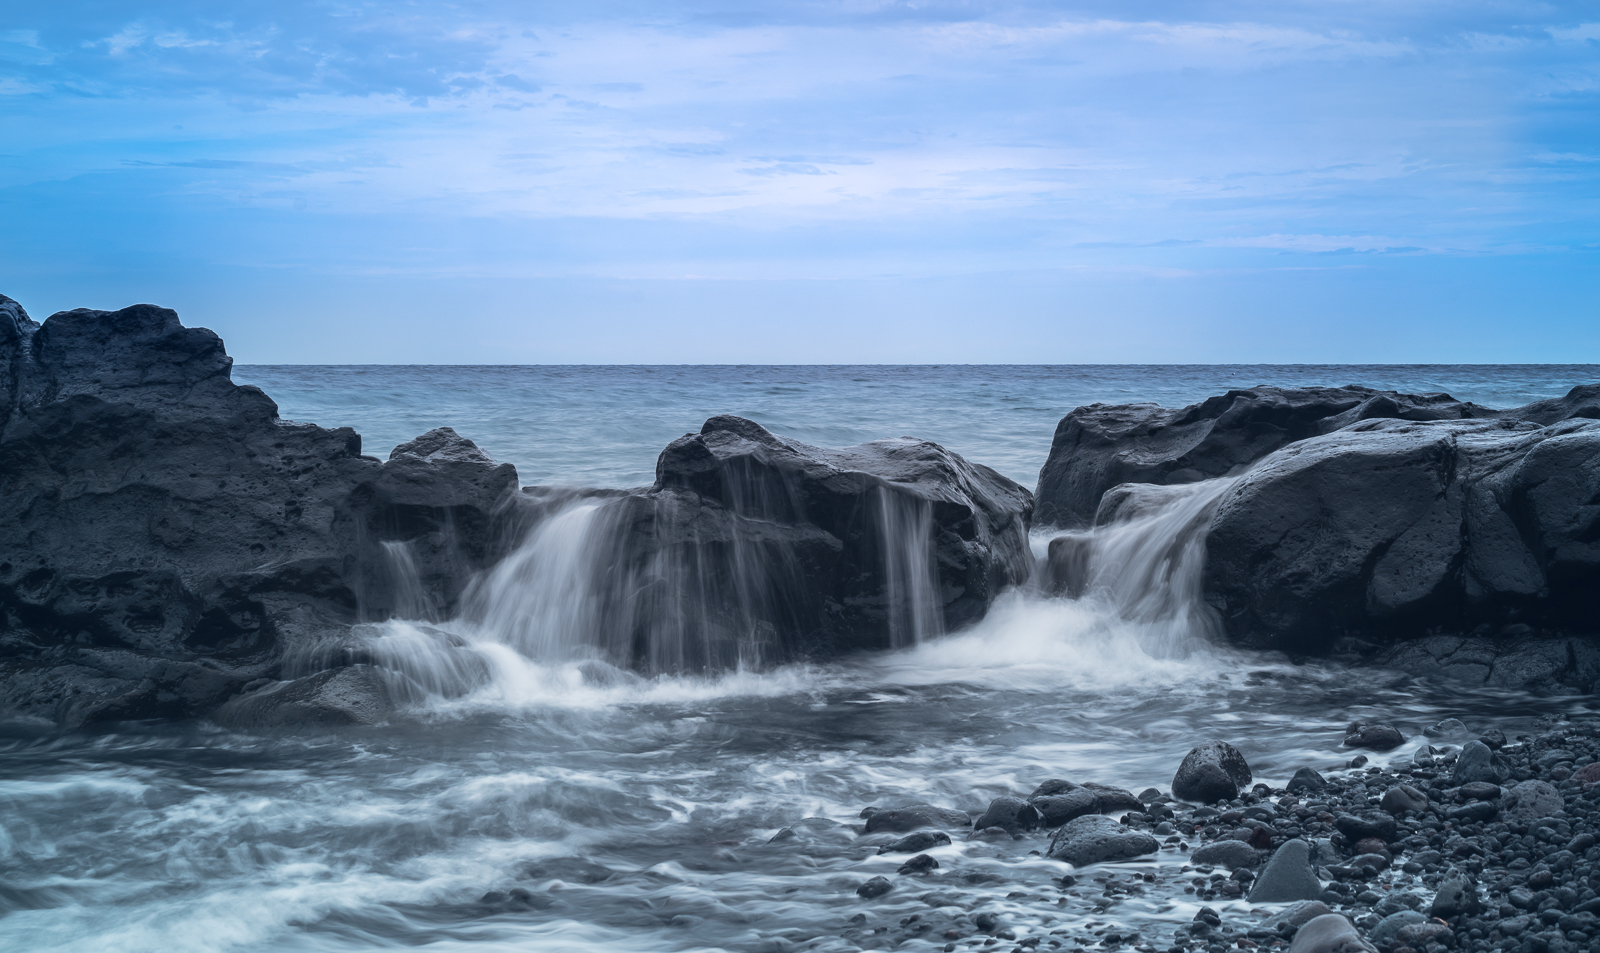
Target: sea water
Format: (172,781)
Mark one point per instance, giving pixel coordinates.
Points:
(638,811)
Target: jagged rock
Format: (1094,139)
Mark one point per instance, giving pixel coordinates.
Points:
(169,539)
(1477,764)
(1388,527)
(1097,839)
(1100,446)
(1214,771)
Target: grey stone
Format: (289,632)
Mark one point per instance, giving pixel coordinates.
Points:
(1057,809)
(1011,814)
(1287,876)
(1362,734)
(1231,854)
(876,887)
(356,695)
(1330,933)
(1384,933)
(1296,915)
(1455,898)
(1530,801)
(1097,839)
(916,842)
(1403,797)
(914,816)
(1306,781)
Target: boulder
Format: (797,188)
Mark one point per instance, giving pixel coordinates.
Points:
(1288,876)
(1057,809)
(874,888)
(1010,814)
(1478,765)
(1530,801)
(1100,446)
(1214,771)
(1231,854)
(170,540)
(1097,839)
(1362,734)
(1306,781)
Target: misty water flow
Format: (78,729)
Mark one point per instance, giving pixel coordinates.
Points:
(636,807)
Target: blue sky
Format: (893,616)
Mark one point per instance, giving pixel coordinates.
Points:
(663,182)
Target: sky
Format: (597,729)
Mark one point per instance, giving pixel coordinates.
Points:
(1403,181)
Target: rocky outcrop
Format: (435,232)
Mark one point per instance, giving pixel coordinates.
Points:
(1389,529)
(169,540)
(751,548)
(1102,445)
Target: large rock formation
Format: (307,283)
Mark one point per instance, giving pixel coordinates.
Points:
(1388,529)
(751,548)
(168,538)
(1102,445)
(173,548)
(1381,516)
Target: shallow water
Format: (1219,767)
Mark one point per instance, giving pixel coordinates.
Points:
(537,768)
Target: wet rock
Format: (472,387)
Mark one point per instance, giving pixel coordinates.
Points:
(1403,797)
(1011,814)
(876,887)
(1480,791)
(1329,933)
(1455,898)
(1371,824)
(1113,800)
(1530,801)
(1054,786)
(355,695)
(914,816)
(1306,781)
(1096,839)
(1288,876)
(1231,854)
(1389,927)
(916,842)
(1450,730)
(919,864)
(1057,809)
(1214,771)
(1290,919)
(1478,763)
(1494,739)
(1362,734)
(1422,935)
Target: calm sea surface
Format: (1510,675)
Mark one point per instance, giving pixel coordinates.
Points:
(604,425)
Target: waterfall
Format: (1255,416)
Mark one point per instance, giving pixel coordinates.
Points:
(1143,561)
(911,582)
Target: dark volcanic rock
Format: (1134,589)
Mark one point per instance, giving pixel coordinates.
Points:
(1362,734)
(753,548)
(1306,781)
(1100,446)
(1010,814)
(1478,765)
(169,539)
(1287,876)
(1402,798)
(1388,527)
(1097,839)
(1214,771)
(915,816)
(1057,809)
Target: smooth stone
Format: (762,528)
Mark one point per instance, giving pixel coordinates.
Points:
(1231,854)
(1330,933)
(1010,814)
(913,816)
(919,864)
(1455,898)
(1288,876)
(1384,933)
(1371,824)
(1054,786)
(916,842)
(876,887)
(1401,798)
(1481,791)
(1057,809)
(1306,781)
(1450,729)
(1214,771)
(1421,935)
(1363,734)
(1296,915)
(1097,839)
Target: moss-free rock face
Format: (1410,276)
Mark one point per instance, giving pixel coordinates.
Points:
(169,539)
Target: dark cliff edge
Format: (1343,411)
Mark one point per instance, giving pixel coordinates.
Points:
(169,539)
(1418,530)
